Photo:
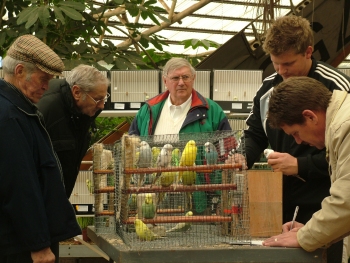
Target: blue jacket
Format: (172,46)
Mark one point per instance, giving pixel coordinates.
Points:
(204,115)
(34,209)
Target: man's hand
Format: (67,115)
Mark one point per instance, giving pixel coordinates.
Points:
(286,226)
(43,256)
(286,239)
(237,158)
(283,162)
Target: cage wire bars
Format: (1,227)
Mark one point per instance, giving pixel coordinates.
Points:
(177,190)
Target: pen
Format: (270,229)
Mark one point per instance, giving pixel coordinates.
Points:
(294,217)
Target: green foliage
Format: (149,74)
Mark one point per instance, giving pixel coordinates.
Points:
(104,125)
(85,221)
(73,29)
(195,43)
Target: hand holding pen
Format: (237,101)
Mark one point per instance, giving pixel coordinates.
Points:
(292,224)
(294,217)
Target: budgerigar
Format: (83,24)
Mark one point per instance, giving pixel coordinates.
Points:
(164,159)
(144,160)
(166,179)
(89,186)
(210,153)
(175,157)
(182,227)
(155,153)
(148,208)
(267,152)
(188,156)
(132,202)
(189,178)
(143,232)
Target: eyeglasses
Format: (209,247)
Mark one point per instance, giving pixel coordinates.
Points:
(185,78)
(98,101)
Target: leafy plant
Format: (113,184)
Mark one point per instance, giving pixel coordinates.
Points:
(104,125)
(84,221)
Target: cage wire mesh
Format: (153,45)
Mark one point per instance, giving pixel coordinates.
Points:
(104,166)
(172,190)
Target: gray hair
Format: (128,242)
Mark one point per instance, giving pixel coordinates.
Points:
(175,63)
(9,64)
(86,77)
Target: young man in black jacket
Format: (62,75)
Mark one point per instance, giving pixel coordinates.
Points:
(70,107)
(289,41)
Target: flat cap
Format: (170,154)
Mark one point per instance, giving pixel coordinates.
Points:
(29,48)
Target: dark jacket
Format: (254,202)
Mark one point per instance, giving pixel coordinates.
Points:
(312,164)
(34,210)
(67,127)
(204,115)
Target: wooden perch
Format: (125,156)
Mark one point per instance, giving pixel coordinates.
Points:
(197,168)
(164,211)
(104,171)
(105,213)
(179,188)
(179,219)
(107,189)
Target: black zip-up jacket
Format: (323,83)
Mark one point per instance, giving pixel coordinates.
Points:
(312,165)
(34,210)
(68,128)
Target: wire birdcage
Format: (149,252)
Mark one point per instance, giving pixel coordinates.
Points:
(183,195)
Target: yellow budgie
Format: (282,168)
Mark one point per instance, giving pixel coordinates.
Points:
(143,232)
(166,179)
(189,178)
(188,156)
(155,152)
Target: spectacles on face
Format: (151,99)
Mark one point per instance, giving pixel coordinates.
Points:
(99,101)
(185,78)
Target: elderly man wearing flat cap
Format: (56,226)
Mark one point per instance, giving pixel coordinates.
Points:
(35,214)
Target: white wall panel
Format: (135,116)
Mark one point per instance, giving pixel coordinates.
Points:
(236,85)
(238,124)
(80,193)
(345,71)
(134,86)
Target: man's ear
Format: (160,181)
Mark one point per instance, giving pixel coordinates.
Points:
(164,81)
(310,115)
(76,92)
(20,72)
(309,51)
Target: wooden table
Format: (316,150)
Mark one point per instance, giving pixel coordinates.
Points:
(118,252)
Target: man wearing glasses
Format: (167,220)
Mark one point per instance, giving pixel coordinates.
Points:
(70,107)
(180,109)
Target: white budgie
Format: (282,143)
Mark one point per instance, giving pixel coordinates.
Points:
(267,152)
(144,160)
(164,159)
